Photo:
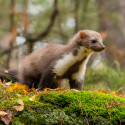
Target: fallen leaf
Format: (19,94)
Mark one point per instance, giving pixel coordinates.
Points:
(57,89)
(20,102)
(18,108)
(101,90)
(113,93)
(4,81)
(17,86)
(32,98)
(2,113)
(18,95)
(7,118)
(75,90)
(45,91)
(33,89)
(8,83)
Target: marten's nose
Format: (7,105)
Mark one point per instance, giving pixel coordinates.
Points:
(103,47)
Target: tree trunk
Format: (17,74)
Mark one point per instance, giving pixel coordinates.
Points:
(12,30)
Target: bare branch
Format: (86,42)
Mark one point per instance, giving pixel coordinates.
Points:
(10,49)
(49,27)
(41,35)
(76,3)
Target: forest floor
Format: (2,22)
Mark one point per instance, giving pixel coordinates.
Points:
(22,106)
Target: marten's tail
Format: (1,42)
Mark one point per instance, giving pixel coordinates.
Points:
(11,75)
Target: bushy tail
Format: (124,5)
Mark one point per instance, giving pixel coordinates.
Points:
(11,75)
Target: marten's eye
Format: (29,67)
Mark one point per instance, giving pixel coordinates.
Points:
(93,41)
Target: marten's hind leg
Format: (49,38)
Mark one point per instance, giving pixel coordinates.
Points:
(47,81)
(27,80)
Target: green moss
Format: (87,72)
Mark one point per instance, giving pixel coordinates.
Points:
(64,107)
(93,104)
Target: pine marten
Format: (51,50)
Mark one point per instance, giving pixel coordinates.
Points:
(45,67)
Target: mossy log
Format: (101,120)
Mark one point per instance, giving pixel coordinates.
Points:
(64,107)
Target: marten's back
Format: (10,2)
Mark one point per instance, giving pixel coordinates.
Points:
(41,59)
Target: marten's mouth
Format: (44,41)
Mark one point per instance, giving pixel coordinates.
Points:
(98,49)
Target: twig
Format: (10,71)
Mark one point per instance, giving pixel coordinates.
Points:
(73,120)
(41,35)
(48,28)
(10,49)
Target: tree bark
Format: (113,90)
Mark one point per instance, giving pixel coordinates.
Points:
(12,30)
(76,4)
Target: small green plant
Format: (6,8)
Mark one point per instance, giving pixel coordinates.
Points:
(106,78)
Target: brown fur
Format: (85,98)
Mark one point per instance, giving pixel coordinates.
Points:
(37,68)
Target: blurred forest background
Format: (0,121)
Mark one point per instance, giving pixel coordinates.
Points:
(26,25)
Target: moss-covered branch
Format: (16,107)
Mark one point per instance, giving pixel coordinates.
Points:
(63,107)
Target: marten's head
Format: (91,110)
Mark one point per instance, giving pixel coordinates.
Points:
(91,40)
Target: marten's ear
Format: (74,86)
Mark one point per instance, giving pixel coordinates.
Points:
(82,34)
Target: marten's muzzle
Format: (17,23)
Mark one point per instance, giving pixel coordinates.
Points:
(98,48)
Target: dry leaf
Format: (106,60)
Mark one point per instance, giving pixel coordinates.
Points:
(113,93)
(45,91)
(18,108)
(32,98)
(18,95)
(2,113)
(4,81)
(75,90)
(17,86)
(8,83)
(7,118)
(20,102)
(101,90)
(57,89)
(33,89)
